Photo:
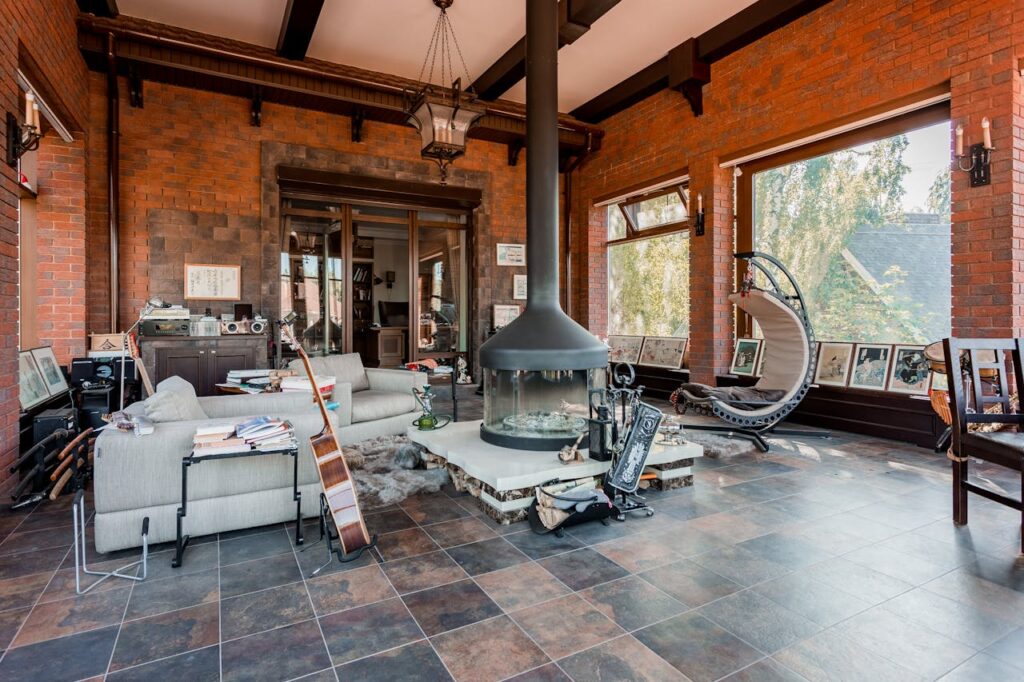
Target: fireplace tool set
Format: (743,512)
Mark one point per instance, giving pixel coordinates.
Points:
(622,429)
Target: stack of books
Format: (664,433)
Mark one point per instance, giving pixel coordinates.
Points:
(298,384)
(259,433)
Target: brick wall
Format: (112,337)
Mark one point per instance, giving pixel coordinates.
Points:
(41,38)
(841,59)
(194,151)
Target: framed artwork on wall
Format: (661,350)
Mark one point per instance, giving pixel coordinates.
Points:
(745,357)
(625,349)
(30,381)
(207,282)
(910,371)
(519,287)
(50,371)
(504,314)
(511,255)
(663,351)
(871,366)
(834,360)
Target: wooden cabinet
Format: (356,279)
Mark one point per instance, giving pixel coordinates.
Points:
(385,347)
(203,361)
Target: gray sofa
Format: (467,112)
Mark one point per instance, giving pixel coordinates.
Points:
(140,476)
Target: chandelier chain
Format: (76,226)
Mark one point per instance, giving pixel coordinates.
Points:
(441,40)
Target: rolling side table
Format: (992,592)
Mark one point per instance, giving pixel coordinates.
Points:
(181,543)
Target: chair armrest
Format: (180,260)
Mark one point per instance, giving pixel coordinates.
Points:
(227,406)
(343,396)
(395,380)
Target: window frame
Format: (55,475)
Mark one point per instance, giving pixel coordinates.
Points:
(634,233)
(921,118)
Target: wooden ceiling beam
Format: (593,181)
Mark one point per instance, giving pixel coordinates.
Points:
(300,18)
(101,8)
(687,66)
(575,18)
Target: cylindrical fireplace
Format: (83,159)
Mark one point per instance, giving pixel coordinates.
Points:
(540,369)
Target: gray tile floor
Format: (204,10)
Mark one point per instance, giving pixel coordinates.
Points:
(824,559)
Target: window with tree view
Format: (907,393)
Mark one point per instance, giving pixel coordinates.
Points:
(649,265)
(866,232)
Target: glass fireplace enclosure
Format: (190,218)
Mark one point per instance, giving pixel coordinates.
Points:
(361,274)
(538,410)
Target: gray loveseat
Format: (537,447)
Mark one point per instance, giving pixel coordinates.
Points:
(137,477)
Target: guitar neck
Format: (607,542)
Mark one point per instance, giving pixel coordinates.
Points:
(316,389)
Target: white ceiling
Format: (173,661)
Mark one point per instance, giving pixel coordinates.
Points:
(391,36)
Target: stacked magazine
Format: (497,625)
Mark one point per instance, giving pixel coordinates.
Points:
(258,433)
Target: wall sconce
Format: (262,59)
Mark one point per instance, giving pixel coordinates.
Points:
(699,224)
(980,155)
(23,138)
(389,277)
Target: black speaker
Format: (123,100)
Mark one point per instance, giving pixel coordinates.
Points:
(48,421)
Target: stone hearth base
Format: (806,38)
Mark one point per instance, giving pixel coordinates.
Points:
(502,479)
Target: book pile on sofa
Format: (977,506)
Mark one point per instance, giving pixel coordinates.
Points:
(258,433)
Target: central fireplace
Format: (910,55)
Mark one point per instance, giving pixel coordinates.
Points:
(540,369)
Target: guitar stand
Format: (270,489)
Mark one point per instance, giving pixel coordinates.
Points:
(326,533)
(78,519)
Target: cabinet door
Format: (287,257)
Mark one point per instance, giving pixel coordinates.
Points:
(187,363)
(222,360)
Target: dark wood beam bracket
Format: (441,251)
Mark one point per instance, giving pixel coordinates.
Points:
(297,27)
(683,68)
(135,99)
(514,147)
(101,8)
(575,17)
(358,116)
(688,74)
(256,112)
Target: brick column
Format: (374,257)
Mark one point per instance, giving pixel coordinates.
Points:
(988,221)
(711,271)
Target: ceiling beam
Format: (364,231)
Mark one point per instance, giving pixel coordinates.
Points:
(575,18)
(687,66)
(300,17)
(101,8)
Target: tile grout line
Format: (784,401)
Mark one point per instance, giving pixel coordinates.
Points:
(124,614)
(220,617)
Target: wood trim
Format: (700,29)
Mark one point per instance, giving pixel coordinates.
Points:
(636,190)
(361,188)
(651,233)
(297,27)
(744,189)
(845,125)
(27,267)
(101,8)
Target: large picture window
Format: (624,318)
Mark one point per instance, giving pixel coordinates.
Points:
(649,264)
(865,229)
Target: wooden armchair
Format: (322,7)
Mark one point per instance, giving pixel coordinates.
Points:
(1005,448)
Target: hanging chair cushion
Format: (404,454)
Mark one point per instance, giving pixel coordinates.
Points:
(737,397)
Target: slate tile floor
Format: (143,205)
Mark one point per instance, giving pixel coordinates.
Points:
(825,559)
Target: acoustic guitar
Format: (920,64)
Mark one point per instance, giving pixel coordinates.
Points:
(339,493)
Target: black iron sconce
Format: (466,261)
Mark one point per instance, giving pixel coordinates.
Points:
(389,277)
(980,155)
(23,138)
(698,226)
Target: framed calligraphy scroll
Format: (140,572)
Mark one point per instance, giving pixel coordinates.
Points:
(213,282)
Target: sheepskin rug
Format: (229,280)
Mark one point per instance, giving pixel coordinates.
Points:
(389,469)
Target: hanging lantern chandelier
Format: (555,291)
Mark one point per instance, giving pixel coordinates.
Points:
(443,115)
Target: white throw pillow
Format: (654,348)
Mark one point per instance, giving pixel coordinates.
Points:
(174,401)
(346,369)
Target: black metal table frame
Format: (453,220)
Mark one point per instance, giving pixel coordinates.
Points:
(181,542)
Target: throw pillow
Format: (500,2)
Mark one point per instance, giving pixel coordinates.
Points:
(174,401)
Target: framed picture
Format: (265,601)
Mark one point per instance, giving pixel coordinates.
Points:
(940,381)
(519,287)
(50,370)
(213,282)
(833,363)
(745,357)
(663,351)
(504,314)
(910,372)
(30,382)
(511,254)
(760,363)
(625,349)
(871,366)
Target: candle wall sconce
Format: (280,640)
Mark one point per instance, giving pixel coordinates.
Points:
(23,138)
(977,161)
(698,226)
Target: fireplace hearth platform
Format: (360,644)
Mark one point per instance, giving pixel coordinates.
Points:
(503,479)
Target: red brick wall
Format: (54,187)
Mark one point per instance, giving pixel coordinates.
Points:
(841,59)
(44,33)
(195,151)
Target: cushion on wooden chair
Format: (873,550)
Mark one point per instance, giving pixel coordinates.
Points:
(1004,448)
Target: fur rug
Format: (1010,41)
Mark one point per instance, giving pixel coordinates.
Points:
(716,446)
(387,470)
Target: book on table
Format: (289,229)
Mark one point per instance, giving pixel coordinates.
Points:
(258,433)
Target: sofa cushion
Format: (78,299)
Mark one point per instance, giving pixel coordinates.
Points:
(346,369)
(174,401)
(372,405)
